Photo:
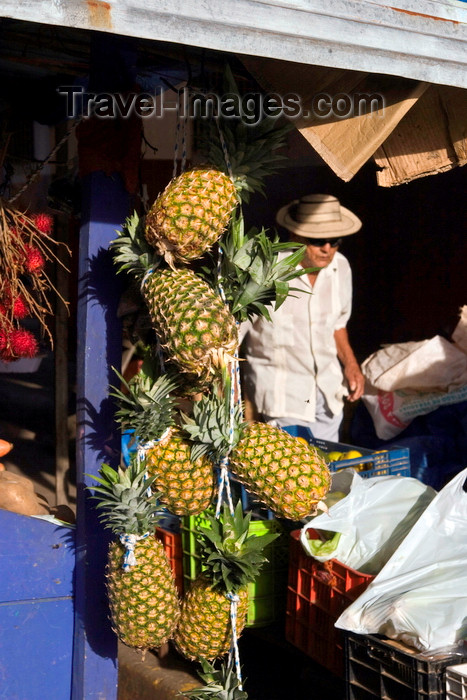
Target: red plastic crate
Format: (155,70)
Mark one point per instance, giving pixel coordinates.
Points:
(172,542)
(317,594)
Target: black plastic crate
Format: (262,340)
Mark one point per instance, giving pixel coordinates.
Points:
(382,668)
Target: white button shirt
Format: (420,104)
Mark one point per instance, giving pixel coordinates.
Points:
(288,358)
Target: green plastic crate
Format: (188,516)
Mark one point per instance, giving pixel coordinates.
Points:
(267,595)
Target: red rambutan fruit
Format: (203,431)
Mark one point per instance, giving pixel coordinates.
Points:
(23,343)
(44,223)
(20,307)
(3,341)
(34,262)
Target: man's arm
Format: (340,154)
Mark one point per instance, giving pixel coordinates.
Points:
(352,370)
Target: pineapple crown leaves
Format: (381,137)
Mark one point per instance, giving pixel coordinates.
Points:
(130,250)
(251,148)
(147,405)
(253,273)
(212,429)
(222,683)
(232,557)
(123,501)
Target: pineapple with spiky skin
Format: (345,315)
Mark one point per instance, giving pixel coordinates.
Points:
(188,485)
(195,208)
(185,486)
(201,336)
(144,603)
(193,324)
(231,558)
(287,476)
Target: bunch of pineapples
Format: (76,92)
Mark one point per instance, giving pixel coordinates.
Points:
(185,486)
(143,599)
(194,325)
(232,558)
(197,330)
(286,474)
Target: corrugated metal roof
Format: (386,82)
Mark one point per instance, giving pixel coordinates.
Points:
(424,39)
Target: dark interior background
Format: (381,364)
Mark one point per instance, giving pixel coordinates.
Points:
(409,258)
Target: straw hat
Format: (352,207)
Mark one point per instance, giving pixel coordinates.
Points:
(318,216)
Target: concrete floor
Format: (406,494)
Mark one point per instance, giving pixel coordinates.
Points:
(272,669)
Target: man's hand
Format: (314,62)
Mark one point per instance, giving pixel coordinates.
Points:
(355,380)
(352,372)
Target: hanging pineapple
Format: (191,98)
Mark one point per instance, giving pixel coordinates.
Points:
(185,486)
(287,476)
(143,598)
(190,214)
(232,559)
(194,210)
(192,322)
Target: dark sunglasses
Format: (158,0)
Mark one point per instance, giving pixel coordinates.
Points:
(320,242)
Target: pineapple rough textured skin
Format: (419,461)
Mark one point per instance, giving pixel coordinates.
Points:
(144,602)
(190,215)
(204,631)
(232,558)
(191,320)
(187,486)
(287,475)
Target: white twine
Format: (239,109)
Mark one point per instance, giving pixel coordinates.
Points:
(129,542)
(224,149)
(142,450)
(238,385)
(234,600)
(224,485)
(224,479)
(229,169)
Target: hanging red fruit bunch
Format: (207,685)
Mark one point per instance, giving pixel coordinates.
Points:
(26,244)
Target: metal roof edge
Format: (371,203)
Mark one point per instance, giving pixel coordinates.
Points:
(353,34)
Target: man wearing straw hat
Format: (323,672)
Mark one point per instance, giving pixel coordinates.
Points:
(300,366)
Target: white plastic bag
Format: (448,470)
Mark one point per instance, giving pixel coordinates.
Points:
(406,380)
(373,519)
(420,596)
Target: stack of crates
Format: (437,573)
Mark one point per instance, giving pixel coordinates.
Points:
(382,668)
(319,592)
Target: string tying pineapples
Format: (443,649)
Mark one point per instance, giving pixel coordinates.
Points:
(143,598)
(231,559)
